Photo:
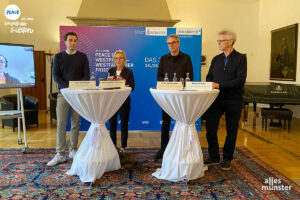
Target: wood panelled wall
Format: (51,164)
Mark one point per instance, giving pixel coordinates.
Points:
(40,78)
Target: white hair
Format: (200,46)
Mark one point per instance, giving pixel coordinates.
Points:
(231,34)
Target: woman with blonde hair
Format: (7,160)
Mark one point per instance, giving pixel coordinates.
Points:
(120,72)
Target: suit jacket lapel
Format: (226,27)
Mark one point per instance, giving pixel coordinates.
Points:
(123,72)
(114,71)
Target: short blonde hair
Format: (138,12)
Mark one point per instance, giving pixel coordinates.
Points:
(120,52)
(231,34)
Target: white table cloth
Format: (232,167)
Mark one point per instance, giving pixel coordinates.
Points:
(183,158)
(96,154)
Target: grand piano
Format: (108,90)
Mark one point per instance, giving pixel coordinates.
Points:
(275,94)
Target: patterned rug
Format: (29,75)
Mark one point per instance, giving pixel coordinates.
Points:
(26,176)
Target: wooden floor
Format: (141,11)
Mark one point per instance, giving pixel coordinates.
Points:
(276,147)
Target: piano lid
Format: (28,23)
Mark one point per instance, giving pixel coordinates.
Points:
(270,92)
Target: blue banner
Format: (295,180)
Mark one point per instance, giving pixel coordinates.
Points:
(143,46)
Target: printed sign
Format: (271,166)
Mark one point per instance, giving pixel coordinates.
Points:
(202,86)
(78,85)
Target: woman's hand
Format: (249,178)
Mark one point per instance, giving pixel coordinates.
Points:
(119,78)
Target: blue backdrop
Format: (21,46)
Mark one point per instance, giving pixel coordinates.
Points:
(143,46)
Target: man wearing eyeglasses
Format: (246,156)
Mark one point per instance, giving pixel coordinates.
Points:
(173,62)
(228,72)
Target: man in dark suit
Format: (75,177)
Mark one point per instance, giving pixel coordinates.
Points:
(228,72)
(169,64)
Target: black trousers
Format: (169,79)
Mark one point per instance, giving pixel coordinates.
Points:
(124,112)
(165,129)
(232,110)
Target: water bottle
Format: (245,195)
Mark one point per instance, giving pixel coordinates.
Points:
(108,76)
(166,77)
(174,78)
(181,80)
(92,78)
(187,79)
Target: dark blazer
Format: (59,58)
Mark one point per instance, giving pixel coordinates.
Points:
(126,74)
(232,77)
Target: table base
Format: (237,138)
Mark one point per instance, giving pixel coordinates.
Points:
(95,156)
(183,158)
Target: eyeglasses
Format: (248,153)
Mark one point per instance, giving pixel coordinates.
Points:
(220,41)
(171,43)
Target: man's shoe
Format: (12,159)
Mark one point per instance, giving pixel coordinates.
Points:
(159,154)
(72,153)
(226,165)
(210,161)
(57,159)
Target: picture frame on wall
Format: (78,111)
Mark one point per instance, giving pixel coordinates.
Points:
(284,53)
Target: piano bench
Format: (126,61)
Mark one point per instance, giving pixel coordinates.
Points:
(276,113)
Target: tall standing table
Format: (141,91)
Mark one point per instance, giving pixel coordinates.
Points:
(183,158)
(96,154)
